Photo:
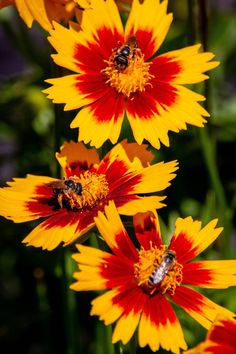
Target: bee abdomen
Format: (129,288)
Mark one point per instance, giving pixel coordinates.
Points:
(157,276)
(121,62)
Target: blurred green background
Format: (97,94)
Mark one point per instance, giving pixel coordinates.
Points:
(38,314)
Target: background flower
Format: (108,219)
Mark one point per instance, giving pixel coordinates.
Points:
(43,11)
(142,281)
(220,338)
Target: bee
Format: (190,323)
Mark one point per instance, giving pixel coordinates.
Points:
(65,187)
(125,53)
(168,261)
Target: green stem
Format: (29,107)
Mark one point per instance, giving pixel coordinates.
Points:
(69,305)
(118,348)
(133,344)
(95,241)
(199,30)
(71,327)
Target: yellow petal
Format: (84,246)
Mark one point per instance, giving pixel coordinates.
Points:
(150,16)
(125,327)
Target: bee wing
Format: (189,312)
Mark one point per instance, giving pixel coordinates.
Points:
(56,184)
(132,42)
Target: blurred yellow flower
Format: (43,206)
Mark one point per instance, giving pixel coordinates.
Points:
(43,11)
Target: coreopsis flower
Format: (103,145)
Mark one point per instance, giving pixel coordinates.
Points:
(70,204)
(221,338)
(115,72)
(44,11)
(142,281)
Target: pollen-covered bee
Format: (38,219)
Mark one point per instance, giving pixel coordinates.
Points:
(65,187)
(169,260)
(125,53)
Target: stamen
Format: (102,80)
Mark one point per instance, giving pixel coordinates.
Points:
(156,272)
(135,77)
(93,188)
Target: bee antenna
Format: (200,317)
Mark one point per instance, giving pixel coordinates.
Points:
(86,189)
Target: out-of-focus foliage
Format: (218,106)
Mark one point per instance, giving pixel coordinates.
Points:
(34,284)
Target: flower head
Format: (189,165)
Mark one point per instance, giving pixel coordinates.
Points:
(71,203)
(221,338)
(44,11)
(115,73)
(142,281)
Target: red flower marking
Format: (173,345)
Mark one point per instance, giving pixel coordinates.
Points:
(195,274)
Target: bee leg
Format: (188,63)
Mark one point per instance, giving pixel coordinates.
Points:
(136,51)
(60,199)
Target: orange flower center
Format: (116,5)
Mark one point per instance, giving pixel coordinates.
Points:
(83,192)
(158,270)
(127,71)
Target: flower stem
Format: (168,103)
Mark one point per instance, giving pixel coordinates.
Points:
(198,18)
(69,306)
(133,344)
(68,299)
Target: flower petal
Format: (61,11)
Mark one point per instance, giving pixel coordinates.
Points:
(132,300)
(220,338)
(114,233)
(24,12)
(97,124)
(198,306)
(222,335)
(40,11)
(79,52)
(89,277)
(210,274)
(65,90)
(156,177)
(117,303)
(101,12)
(133,150)
(103,307)
(147,180)
(27,198)
(190,62)
(101,270)
(51,232)
(66,48)
(147,229)
(74,157)
(149,22)
(190,239)
(125,327)
(116,165)
(159,326)
(163,108)
(129,205)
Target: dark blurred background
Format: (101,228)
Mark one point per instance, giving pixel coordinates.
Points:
(34,294)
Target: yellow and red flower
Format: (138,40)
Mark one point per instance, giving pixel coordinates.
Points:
(221,338)
(44,11)
(111,79)
(142,281)
(70,204)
